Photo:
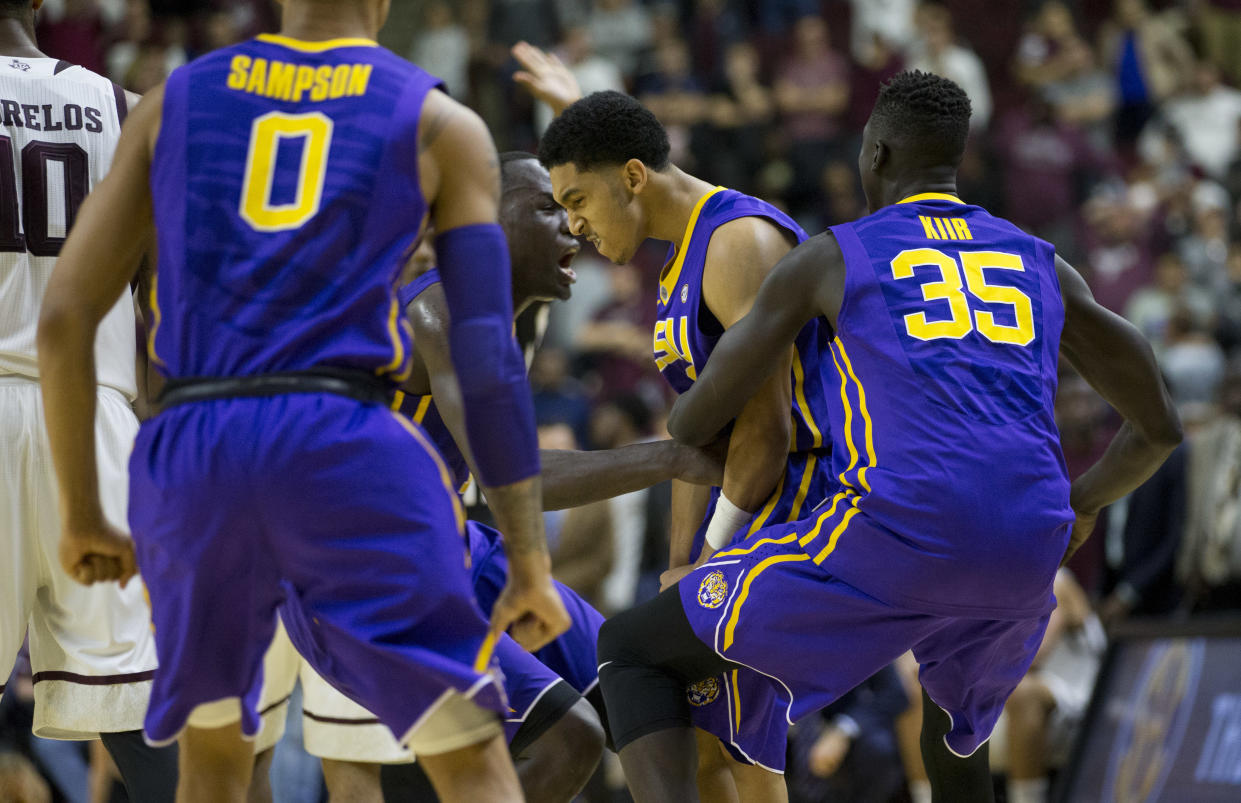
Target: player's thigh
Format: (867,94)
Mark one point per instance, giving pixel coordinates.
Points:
(764,604)
(969,667)
(24,497)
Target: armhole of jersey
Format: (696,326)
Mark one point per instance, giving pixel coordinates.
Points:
(61,66)
(122,102)
(855,258)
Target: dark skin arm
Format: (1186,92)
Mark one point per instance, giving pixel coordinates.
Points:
(96,265)
(808,281)
(460,170)
(1117,361)
(570,478)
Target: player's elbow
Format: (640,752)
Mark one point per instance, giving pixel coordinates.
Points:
(687,428)
(1166,433)
(57,318)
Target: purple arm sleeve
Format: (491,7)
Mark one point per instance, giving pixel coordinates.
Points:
(499,413)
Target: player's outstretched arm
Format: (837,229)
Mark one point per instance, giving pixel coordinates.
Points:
(96,265)
(808,281)
(462,177)
(569,478)
(1116,360)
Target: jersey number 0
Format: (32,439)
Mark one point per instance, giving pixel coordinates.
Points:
(269,131)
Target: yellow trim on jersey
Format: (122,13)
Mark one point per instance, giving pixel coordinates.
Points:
(747,550)
(668,282)
(869,424)
(157,318)
(736,704)
(799,393)
(836,533)
(761,519)
(314,47)
(931,196)
(844,399)
(445,477)
(803,489)
(424,404)
(730,631)
(398,399)
(398,348)
(483,659)
(818,525)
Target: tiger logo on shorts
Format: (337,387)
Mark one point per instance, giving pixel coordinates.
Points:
(703,692)
(712,590)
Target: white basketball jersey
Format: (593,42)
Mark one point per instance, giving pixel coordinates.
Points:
(59,124)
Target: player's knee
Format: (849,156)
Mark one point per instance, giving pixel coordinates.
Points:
(578,739)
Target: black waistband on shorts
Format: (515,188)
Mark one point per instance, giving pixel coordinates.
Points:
(359,385)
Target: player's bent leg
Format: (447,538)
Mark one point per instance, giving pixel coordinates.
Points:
(149,773)
(647,656)
(954,778)
(757,784)
(352,781)
(557,764)
(215,765)
(714,778)
(1029,709)
(260,777)
(463,751)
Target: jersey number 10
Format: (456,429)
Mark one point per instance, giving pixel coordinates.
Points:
(950,289)
(37,201)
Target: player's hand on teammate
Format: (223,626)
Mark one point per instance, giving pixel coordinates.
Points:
(546,77)
(673,576)
(97,554)
(529,607)
(1083,526)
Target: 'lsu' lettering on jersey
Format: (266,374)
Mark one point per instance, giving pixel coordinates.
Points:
(952,485)
(686,333)
(275,179)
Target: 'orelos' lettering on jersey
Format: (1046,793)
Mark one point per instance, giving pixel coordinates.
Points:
(282,80)
(51,117)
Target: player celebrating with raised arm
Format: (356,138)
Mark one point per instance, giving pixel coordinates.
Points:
(91,648)
(953,508)
(285,178)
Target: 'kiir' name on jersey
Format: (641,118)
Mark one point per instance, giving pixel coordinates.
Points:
(285,81)
(49,117)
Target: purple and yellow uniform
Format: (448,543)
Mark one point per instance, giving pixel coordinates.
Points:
(274,179)
(740,708)
(571,657)
(951,510)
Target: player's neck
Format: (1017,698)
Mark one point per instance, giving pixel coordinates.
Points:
(17,38)
(314,22)
(671,198)
(938,181)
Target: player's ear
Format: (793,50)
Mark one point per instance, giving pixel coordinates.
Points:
(635,175)
(879,155)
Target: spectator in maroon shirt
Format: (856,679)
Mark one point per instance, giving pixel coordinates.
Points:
(77,35)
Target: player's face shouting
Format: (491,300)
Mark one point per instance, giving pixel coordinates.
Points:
(539,242)
(600,208)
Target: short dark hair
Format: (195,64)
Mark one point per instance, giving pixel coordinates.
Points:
(605,128)
(929,116)
(512,157)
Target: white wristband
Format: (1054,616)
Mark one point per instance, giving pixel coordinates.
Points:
(727,519)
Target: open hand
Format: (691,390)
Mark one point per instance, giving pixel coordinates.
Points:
(546,77)
(97,554)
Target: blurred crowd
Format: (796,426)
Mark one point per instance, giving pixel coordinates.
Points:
(1112,128)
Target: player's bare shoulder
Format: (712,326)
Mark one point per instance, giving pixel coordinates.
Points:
(740,255)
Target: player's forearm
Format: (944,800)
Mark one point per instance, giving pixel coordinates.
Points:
(519,516)
(758,448)
(572,479)
(687,509)
(67,374)
(1129,461)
